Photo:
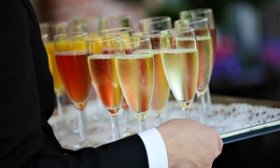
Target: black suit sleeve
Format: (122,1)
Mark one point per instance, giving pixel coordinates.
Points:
(27,100)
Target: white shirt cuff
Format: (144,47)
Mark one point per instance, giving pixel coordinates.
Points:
(155,148)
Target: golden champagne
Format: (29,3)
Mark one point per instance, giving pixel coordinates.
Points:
(181,69)
(136,75)
(58,86)
(161,87)
(103,73)
(205,52)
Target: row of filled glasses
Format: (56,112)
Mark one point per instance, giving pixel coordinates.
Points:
(138,68)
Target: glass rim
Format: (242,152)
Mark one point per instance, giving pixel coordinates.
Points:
(193,20)
(149,34)
(203,10)
(102,40)
(155,19)
(142,39)
(115,30)
(179,34)
(59,36)
(186,29)
(60,24)
(69,35)
(91,56)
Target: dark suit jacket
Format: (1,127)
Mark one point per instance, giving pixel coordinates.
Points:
(27,102)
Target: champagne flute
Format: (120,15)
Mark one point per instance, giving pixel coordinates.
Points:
(205,49)
(117,33)
(135,68)
(181,65)
(161,87)
(58,86)
(208,13)
(203,12)
(71,57)
(48,31)
(92,27)
(102,66)
(82,25)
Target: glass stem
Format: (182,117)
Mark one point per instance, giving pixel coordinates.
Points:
(125,118)
(159,118)
(142,124)
(59,109)
(202,109)
(82,126)
(184,114)
(208,102)
(115,128)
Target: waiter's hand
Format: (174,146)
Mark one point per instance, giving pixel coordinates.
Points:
(190,144)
